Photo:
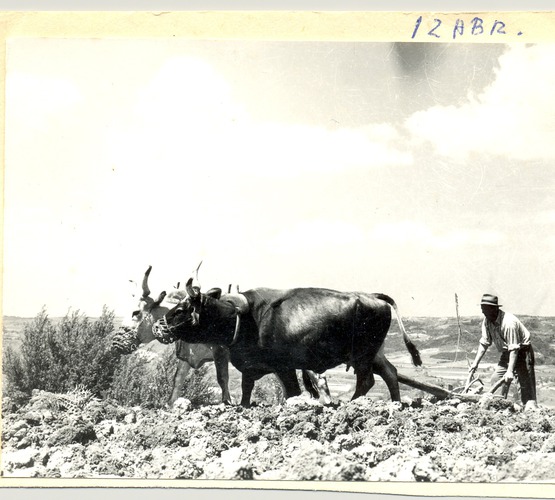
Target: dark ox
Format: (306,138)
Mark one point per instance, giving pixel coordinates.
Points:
(191,355)
(283,330)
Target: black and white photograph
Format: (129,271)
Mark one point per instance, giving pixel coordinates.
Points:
(280,260)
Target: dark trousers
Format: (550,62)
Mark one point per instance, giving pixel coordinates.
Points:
(524,370)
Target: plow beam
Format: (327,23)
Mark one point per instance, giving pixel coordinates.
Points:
(441,393)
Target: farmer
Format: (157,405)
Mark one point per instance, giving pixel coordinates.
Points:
(512,340)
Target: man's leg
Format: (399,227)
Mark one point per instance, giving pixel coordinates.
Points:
(499,373)
(526,373)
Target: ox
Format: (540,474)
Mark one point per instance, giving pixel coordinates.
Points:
(149,310)
(192,355)
(304,328)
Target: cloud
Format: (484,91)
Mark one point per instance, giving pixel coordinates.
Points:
(514,116)
(186,118)
(316,235)
(291,150)
(408,232)
(319,234)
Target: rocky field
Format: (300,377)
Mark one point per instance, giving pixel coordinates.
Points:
(371,439)
(364,440)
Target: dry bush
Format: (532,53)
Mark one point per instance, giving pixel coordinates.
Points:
(75,352)
(199,387)
(143,378)
(146,379)
(13,397)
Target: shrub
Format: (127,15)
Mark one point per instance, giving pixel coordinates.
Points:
(146,379)
(76,352)
(12,373)
(143,378)
(199,387)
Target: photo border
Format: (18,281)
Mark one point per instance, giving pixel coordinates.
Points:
(521,27)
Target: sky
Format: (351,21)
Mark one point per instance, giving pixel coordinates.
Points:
(417,170)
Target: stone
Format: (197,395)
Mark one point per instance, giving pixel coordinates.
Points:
(81,433)
(130,418)
(182,404)
(20,458)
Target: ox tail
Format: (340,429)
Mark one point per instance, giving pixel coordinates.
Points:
(310,385)
(413,351)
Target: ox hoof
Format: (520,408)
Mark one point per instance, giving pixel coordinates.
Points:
(531,406)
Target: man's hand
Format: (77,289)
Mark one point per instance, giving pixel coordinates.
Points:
(509,376)
(471,371)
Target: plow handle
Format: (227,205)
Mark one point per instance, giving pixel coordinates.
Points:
(498,384)
(469,381)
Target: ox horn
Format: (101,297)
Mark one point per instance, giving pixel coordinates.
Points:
(146,290)
(193,284)
(196,283)
(192,290)
(160,298)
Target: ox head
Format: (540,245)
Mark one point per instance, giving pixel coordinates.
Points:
(184,320)
(137,329)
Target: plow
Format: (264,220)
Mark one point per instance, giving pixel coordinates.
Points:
(462,393)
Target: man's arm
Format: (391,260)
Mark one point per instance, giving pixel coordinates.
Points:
(479,355)
(509,376)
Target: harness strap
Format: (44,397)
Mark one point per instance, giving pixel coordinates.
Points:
(237,326)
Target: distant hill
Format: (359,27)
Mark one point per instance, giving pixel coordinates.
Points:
(427,333)
(443,334)
(13,327)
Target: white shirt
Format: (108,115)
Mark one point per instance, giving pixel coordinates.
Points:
(506,332)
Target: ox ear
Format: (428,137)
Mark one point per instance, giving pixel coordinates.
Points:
(193,290)
(215,293)
(134,288)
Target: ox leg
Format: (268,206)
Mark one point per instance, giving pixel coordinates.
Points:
(221,361)
(317,386)
(388,373)
(290,383)
(323,388)
(179,379)
(365,382)
(247,385)
(310,380)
